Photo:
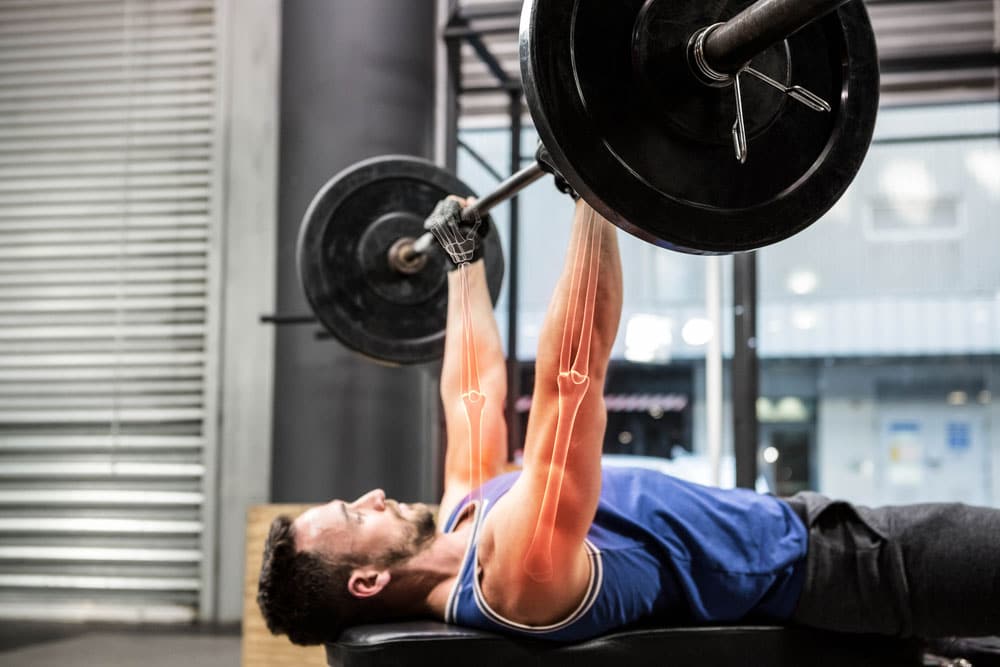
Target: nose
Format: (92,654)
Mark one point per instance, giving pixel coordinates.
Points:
(374,499)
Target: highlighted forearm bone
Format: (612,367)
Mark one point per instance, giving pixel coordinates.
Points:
(472,397)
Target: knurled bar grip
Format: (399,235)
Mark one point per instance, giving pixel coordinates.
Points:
(507,189)
(734,43)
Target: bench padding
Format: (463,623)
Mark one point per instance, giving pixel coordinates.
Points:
(439,645)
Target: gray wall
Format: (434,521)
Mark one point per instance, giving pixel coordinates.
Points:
(357,80)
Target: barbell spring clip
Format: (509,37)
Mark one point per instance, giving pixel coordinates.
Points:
(797,93)
(715,78)
(739,129)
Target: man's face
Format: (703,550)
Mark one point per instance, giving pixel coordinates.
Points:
(373,528)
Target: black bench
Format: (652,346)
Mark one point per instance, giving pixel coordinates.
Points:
(441,645)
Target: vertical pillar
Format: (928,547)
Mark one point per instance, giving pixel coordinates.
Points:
(713,367)
(513,365)
(453,87)
(745,368)
(354,83)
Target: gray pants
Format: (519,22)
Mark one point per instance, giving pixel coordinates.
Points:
(919,570)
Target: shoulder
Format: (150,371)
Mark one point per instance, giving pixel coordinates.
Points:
(510,591)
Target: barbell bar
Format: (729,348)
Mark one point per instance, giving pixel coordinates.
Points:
(480,207)
(738,40)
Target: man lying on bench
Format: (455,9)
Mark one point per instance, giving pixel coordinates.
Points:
(567,551)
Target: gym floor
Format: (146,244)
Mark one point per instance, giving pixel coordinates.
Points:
(84,645)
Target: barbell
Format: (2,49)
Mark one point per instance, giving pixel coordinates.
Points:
(702,127)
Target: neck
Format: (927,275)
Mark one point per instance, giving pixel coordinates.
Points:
(424,582)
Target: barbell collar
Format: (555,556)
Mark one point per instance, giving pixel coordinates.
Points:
(733,44)
(479,208)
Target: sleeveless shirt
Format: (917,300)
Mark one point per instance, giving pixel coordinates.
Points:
(658,547)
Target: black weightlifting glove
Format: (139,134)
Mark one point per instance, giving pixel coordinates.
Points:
(461,241)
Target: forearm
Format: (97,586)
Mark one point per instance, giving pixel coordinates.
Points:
(604,327)
(492,377)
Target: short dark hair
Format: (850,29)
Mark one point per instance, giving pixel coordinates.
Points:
(305,595)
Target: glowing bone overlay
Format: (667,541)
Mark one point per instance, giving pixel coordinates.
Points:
(473,398)
(460,246)
(573,382)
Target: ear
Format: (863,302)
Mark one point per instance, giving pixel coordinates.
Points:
(366,582)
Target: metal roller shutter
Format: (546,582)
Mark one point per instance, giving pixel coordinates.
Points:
(107,140)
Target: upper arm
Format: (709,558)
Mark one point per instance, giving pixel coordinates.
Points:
(512,523)
(581,482)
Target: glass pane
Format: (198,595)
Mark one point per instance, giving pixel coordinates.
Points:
(879,326)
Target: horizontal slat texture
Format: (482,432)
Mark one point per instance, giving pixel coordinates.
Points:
(107,120)
(930,51)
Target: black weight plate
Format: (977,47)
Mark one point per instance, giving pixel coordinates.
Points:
(649,147)
(343,263)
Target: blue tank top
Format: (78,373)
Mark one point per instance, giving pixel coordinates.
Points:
(659,547)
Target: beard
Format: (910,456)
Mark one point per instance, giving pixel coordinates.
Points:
(423,524)
(420,531)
